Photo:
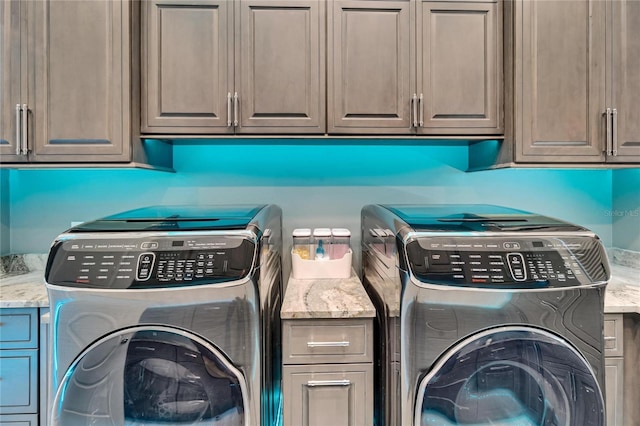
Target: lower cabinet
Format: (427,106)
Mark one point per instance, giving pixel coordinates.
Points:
(327,372)
(614,369)
(19,366)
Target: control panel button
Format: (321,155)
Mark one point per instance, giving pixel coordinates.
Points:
(145,266)
(516,266)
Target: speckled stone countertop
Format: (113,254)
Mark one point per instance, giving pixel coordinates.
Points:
(326,298)
(22,281)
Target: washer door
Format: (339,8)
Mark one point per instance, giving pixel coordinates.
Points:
(151,376)
(510,376)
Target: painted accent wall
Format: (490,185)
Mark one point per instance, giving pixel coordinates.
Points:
(625,211)
(5,230)
(317,185)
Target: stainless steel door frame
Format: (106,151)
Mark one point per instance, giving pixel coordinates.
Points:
(493,398)
(97,376)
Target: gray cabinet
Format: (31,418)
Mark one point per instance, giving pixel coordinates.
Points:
(12,81)
(624,92)
(370,78)
(221,67)
(327,376)
(575,75)
(459,69)
(415,67)
(19,366)
(614,368)
(69,74)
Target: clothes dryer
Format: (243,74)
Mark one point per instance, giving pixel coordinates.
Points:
(167,315)
(486,315)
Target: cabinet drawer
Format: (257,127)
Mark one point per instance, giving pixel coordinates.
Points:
(327,341)
(19,420)
(19,328)
(613,327)
(18,381)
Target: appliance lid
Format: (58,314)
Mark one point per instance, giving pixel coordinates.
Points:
(476,217)
(174,217)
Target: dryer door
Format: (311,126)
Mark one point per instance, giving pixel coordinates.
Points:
(510,376)
(151,376)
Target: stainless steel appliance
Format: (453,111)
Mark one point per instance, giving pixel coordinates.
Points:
(486,315)
(167,315)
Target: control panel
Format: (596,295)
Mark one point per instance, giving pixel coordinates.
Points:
(491,262)
(144,263)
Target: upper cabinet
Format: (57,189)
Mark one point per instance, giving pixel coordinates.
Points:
(370,64)
(222,67)
(67,87)
(576,79)
(314,67)
(459,68)
(624,89)
(415,67)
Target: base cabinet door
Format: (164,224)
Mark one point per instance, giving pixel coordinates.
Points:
(321,395)
(614,385)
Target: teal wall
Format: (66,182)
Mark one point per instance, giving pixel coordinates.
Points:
(625,212)
(315,184)
(5,235)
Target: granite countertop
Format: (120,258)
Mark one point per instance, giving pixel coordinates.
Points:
(326,298)
(22,281)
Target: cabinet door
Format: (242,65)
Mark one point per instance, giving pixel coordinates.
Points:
(460,67)
(625,28)
(560,80)
(19,381)
(321,395)
(280,66)
(12,81)
(614,386)
(187,76)
(369,67)
(80,98)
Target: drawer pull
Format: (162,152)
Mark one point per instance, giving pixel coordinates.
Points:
(327,344)
(609,338)
(316,383)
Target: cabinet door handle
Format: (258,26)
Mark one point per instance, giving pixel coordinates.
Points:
(228,109)
(235,109)
(18,128)
(25,118)
(609,338)
(414,101)
(315,383)
(421,113)
(327,344)
(614,132)
(607,115)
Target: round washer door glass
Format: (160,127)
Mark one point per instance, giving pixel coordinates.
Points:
(511,376)
(157,376)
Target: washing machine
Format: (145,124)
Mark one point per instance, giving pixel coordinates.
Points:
(486,315)
(167,316)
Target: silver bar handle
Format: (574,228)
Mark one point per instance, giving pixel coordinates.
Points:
(235,109)
(228,109)
(614,132)
(18,128)
(25,118)
(607,115)
(415,110)
(421,113)
(316,383)
(609,338)
(327,344)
